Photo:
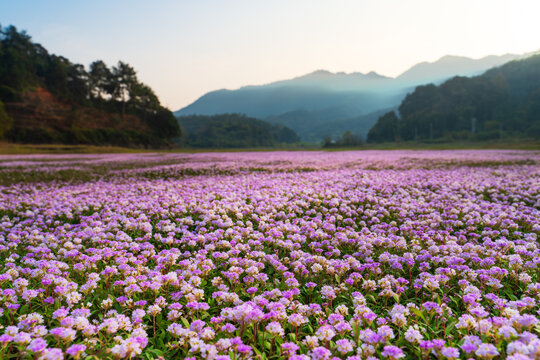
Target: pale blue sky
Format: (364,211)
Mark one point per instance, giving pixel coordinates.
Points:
(183,49)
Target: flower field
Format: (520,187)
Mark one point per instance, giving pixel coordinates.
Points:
(271,255)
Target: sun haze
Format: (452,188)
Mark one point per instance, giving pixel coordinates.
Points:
(184,49)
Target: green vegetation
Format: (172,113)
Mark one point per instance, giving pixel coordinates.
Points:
(5,120)
(233,131)
(9,148)
(52,100)
(503,103)
(347,140)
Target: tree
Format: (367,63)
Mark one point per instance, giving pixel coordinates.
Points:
(100,77)
(144,99)
(5,121)
(327,141)
(165,124)
(233,131)
(27,70)
(385,130)
(349,139)
(124,79)
(17,69)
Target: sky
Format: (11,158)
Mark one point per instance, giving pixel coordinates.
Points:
(184,49)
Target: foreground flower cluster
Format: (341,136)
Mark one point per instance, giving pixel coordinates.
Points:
(353,256)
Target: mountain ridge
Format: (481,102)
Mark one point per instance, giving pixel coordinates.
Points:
(443,59)
(338,95)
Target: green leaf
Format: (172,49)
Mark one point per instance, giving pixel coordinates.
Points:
(163,335)
(450,327)
(510,294)
(155,352)
(185,322)
(259,354)
(418,313)
(356,329)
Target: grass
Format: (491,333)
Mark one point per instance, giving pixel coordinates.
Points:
(411,145)
(15,149)
(23,149)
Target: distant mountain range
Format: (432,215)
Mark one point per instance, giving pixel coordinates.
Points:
(323,103)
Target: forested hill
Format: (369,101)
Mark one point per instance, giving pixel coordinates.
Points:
(233,131)
(45,98)
(504,102)
(322,103)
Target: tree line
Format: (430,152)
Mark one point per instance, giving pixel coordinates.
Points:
(26,66)
(233,131)
(348,139)
(502,103)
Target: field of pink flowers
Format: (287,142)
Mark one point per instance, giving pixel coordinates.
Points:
(271,255)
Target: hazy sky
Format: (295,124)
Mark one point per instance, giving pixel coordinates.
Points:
(183,49)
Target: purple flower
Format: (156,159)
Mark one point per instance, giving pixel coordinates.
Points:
(230,328)
(470,343)
(426,345)
(450,352)
(252,290)
(392,352)
(320,353)
(243,349)
(290,348)
(486,350)
(438,343)
(141,303)
(37,345)
(5,338)
(52,354)
(344,346)
(76,350)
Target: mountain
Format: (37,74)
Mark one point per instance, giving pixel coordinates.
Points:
(317,91)
(314,124)
(45,98)
(449,66)
(340,81)
(322,103)
(503,102)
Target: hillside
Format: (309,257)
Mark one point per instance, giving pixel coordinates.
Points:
(309,104)
(48,99)
(502,103)
(314,124)
(233,131)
